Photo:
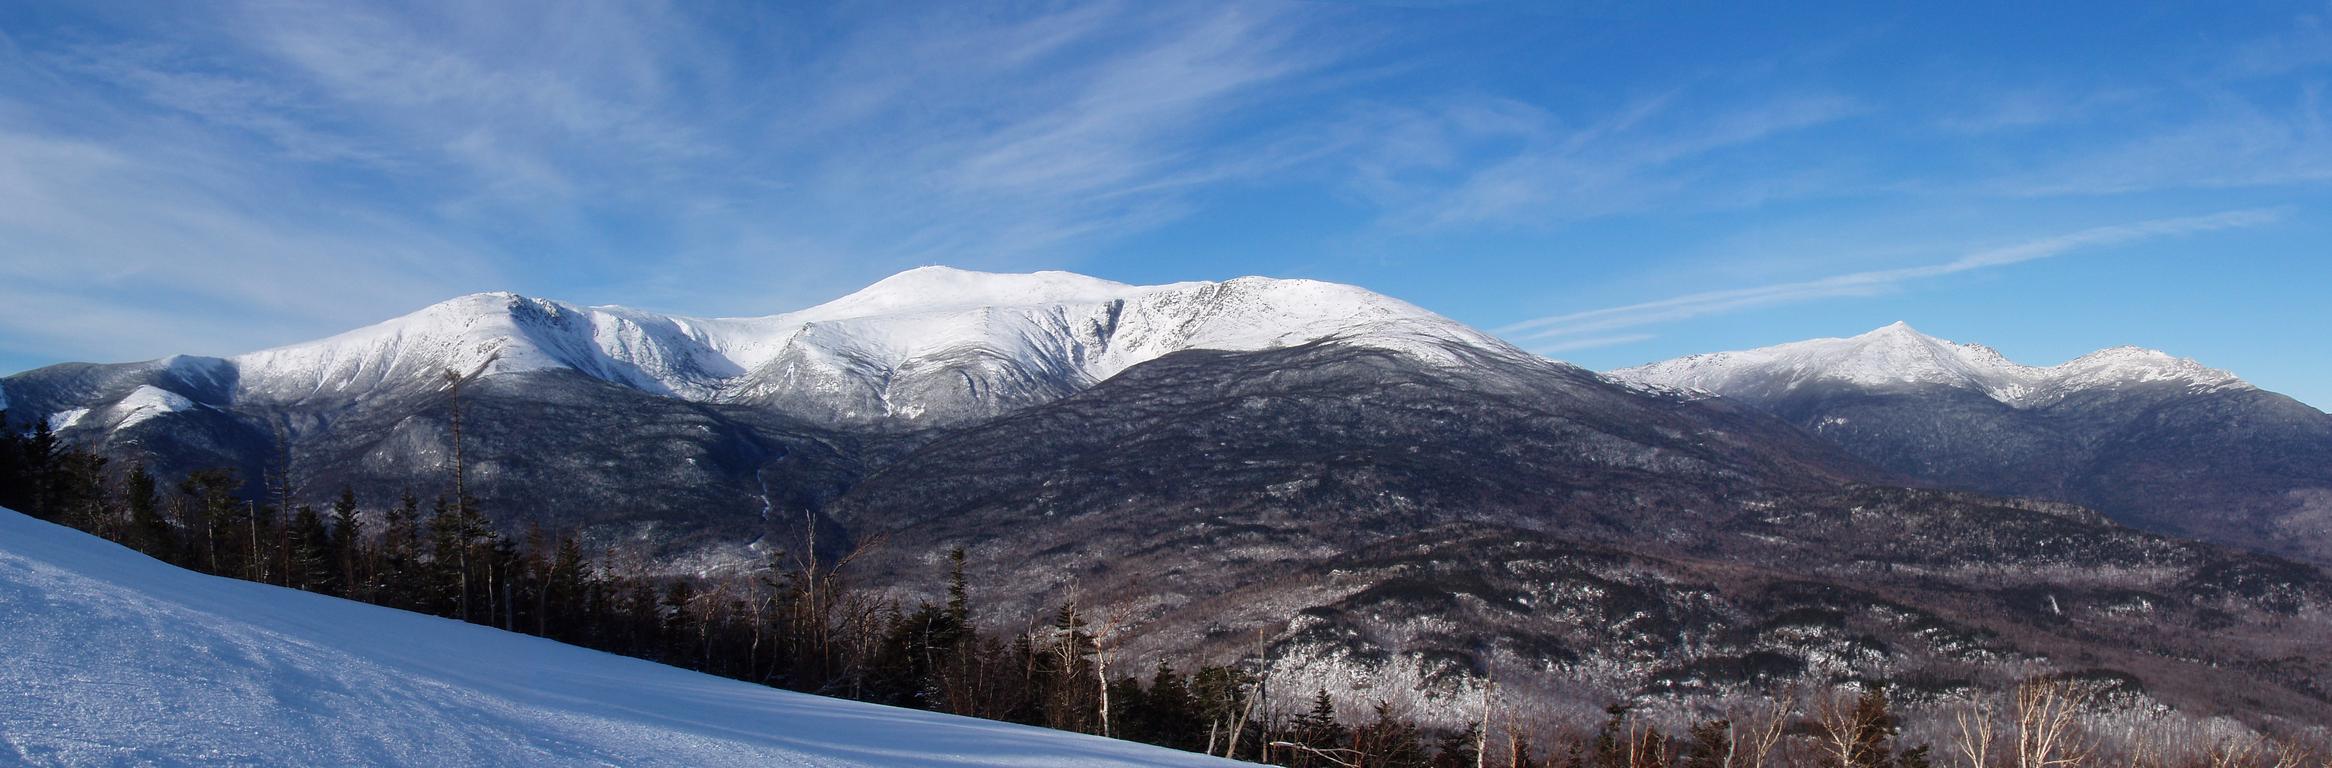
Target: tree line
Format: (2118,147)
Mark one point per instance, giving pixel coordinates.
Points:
(800,623)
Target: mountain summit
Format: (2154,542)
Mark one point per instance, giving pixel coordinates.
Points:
(1897,357)
(2156,441)
(928,346)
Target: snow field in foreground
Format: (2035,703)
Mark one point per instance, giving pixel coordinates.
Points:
(108,657)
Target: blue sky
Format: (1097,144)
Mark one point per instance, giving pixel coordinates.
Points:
(1607,183)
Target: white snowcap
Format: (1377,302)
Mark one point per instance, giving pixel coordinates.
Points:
(1898,356)
(941,289)
(1068,329)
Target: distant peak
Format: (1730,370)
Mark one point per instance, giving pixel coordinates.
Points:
(1896,329)
(2128,352)
(468,303)
(1895,355)
(2142,364)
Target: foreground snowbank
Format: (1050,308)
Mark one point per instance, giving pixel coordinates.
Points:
(109,657)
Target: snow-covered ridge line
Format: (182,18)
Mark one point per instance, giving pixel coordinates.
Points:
(1897,356)
(929,345)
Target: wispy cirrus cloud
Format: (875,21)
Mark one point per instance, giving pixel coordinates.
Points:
(1477,161)
(330,165)
(2231,143)
(310,167)
(1572,330)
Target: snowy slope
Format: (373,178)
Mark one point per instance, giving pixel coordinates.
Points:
(1897,357)
(929,345)
(110,658)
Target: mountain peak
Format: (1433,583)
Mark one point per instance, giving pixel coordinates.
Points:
(931,344)
(1895,357)
(1894,329)
(2115,366)
(938,288)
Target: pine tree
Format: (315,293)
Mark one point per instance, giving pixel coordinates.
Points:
(449,581)
(1169,711)
(678,626)
(347,546)
(1709,744)
(148,532)
(209,494)
(959,602)
(82,499)
(39,464)
(1319,728)
(400,569)
(563,591)
(1614,746)
(1456,748)
(311,567)
(14,489)
(1877,748)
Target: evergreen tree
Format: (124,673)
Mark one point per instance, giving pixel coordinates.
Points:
(400,554)
(448,588)
(80,496)
(1389,741)
(1709,744)
(210,495)
(347,545)
(959,602)
(1456,749)
(1319,728)
(148,532)
(14,488)
(1866,730)
(1613,746)
(678,626)
(1170,711)
(311,567)
(39,467)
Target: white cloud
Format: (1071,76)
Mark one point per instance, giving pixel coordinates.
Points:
(310,168)
(1705,303)
(1475,161)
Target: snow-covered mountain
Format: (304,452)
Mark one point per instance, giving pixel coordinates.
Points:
(1896,357)
(2155,441)
(116,659)
(927,346)
(616,420)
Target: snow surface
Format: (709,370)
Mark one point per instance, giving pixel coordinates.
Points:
(1060,329)
(110,658)
(147,402)
(1898,356)
(60,420)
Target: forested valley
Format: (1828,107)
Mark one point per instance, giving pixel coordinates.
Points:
(799,622)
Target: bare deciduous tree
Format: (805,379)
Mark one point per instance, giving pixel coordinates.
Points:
(2046,717)
(1976,724)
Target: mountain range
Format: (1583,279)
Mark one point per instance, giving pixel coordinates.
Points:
(2153,441)
(1392,503)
